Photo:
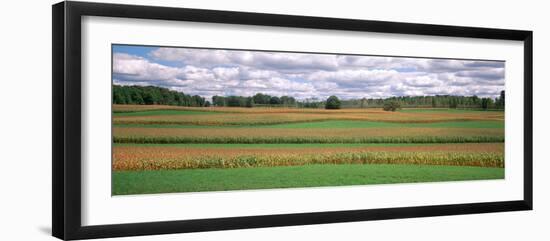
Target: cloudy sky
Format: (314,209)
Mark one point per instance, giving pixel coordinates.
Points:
(208,72)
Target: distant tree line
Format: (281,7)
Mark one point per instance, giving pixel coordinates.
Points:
(151,95)
(437,101)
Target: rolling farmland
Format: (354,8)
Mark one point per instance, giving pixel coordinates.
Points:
(180,149)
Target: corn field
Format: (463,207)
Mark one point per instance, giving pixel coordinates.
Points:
(214,161)
(242,128)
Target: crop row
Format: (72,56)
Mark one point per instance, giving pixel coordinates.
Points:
(264,116)
(214,161)
(286,110)
(270,119)
(303,132)
(300,140)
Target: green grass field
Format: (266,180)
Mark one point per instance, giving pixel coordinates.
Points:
(167,181)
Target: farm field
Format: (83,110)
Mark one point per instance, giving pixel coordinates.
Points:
(227,116)
(160,149)
(221,179)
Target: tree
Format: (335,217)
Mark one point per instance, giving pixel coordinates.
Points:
(137,98)
(249,102)
(275,100)
(260,98)
(332,103)
(391,105)
(475,100)
(288,101)
(148,98)
(119,97)
(152,95)
(486,103)
(197,101)
(501,100)
(218,100)
(363,102)
(235,101)
(453,103)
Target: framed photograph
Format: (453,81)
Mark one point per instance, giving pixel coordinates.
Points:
(171,120)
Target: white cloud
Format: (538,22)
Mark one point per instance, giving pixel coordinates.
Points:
(210,72)
(137,68)
(423,81)
(258,59)
(354,76)
(226,73)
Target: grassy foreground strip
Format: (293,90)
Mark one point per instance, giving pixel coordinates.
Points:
(300,140)
(166,181)
(214,161)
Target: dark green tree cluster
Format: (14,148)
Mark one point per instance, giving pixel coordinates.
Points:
(391,105)
(499,102)
(313,105)
(233,101)
(263,99)
(151,95)
(258,99)
(487,103)
(332,103)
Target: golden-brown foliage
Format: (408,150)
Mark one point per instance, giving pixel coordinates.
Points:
(158,157)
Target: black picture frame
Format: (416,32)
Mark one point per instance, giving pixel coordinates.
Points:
(66,128)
